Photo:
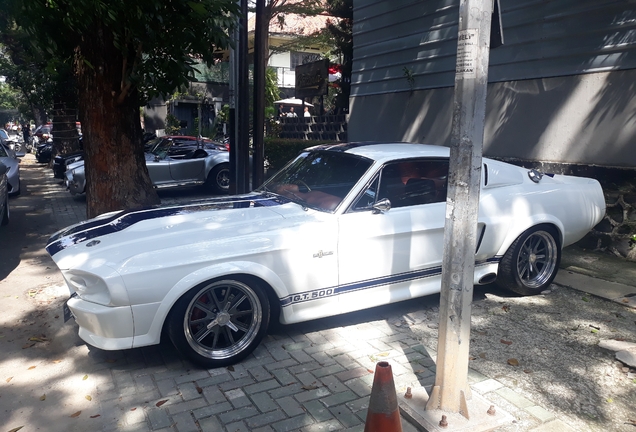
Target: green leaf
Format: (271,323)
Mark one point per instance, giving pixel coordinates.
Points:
(198,8)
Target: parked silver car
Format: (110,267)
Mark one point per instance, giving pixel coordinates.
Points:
(4,195)
(10,159)
(200,166)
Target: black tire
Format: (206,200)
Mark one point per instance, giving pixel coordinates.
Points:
(218,180)
(530,264)
(5,212)
(219,323)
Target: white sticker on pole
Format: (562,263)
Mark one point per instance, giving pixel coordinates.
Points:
(467,44)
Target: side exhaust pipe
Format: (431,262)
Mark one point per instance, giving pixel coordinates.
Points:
(488,278)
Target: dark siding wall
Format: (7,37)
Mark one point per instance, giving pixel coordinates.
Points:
(544,38)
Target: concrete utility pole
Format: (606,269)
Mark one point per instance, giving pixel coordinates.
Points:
(451,390)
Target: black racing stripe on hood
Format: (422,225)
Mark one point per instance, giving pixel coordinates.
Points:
(120,221)
(343,147)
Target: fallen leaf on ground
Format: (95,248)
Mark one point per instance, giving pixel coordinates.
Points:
(482,355)
(9,379)
(505,342)
(85,378)
(369,370)
(528,371)
(88,397)
(310,387)
(95,416)
(31,367)
(75,414)
(16,429)
(43,397)
(132,409)
(513,362)
(57,361)
(506,308)
(610,400)
(37,339)
(230,368)
(472,358)
(161,402)
(28,345)
(199,389)
(383,354)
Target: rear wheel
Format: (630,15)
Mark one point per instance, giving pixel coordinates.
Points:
(218,180)
(532,261)
(219,323)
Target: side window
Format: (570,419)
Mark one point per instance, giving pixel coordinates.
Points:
(414,182)
(367,199)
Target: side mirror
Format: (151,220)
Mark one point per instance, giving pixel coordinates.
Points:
(20,154)
(382,206)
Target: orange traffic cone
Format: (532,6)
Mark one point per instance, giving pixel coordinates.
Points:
(383,414)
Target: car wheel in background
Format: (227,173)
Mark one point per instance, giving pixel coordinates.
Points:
(219,323)
(218,180)
(5,212)
(532,261)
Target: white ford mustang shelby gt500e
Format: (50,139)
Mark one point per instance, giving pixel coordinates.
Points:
(341,228)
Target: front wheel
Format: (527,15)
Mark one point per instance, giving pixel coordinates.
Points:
(218,180)
(219,323)
(532,261)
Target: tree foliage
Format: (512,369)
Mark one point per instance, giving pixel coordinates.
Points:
(122,53)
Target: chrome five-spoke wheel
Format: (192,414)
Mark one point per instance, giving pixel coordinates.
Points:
(532,261)
(221,323)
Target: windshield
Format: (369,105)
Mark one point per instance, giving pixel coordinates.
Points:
(161,148)
(319,179)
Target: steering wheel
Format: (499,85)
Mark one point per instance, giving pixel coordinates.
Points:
(302,183)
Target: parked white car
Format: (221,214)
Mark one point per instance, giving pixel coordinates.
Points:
(341,228)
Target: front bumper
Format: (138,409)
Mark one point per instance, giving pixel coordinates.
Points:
(104,327)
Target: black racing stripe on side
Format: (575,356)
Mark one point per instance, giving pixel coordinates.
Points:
(305,296)
(124,220)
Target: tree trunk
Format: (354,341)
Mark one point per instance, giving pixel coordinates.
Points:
(116,173)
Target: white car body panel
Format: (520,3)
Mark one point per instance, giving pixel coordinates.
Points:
(317,263)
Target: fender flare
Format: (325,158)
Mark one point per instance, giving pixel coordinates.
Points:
(528,222)
(216,271)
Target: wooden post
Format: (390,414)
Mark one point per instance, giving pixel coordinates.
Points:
(451,390)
